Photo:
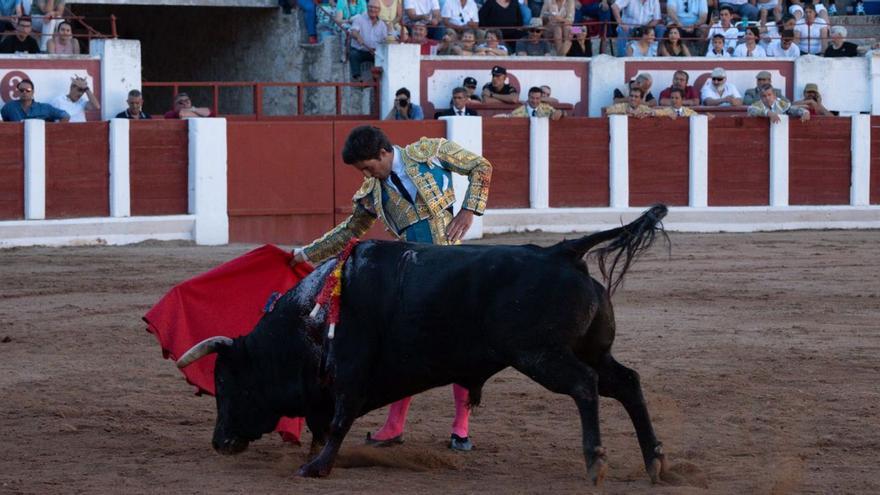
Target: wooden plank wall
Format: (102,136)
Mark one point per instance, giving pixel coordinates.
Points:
(506,146)
(77,170)
(578,163)
(819,161)
(739,161)
(659,161)
(12,171)
(159,167)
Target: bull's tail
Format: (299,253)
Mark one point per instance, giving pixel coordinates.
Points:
(626,244)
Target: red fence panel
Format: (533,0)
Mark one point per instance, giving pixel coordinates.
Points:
(659,152)
(159,167)
(820,161)
(875,161)
(77,170)
(506,146)
(739,161)
(12,171)
(280,181)
(578,163)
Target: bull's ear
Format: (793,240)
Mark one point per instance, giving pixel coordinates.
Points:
(202,349)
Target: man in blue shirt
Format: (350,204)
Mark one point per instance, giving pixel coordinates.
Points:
(26,108)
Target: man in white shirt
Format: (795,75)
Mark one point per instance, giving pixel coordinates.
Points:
(784,46)
(724,27)
(630,14)
(367,31)
(424,10)
(460,14)
(77,100)
(717,92)
(689,15)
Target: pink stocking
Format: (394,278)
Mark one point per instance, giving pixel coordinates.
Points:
(462,411)
(396,420)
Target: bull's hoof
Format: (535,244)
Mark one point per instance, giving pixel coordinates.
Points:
(657,468)
(398,440)
(310,471)
(462,444)
(599,468)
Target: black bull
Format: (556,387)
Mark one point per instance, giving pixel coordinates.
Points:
(414,317)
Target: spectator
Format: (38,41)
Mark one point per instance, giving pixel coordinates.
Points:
(348,9)
(25,108)
(135,108)
(754,94)
(78,99)
(502,14)
(424,10)
(599,10)
(680,82)
(22,40)
(449,44)
(633,107)
(676,107)
(744,8)
(460,14)
(45,14)
(770,32)
(689,15)
(784,46)
(534,45)
(557,17)
(725,28)
(839,47)
(459,105)
(470,84)
(9,9)
(812,101)
(718,92)
(420,37)
(391,13)
(812,32)
(468,43)
(367,31)
(546,95)
(404,108)
(630,14)
(644,45)
(580,46)
(798,8)
(750,48)
(492,45)
(184,109)
(772,107)
(310,18)
(534,107)
(716,49)
(673,46)
(63,42)
(766,5)
(643,81)
(498,91)
(325,15)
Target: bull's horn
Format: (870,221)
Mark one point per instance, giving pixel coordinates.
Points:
(202,349)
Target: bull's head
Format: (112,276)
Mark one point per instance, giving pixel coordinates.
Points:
(243,414)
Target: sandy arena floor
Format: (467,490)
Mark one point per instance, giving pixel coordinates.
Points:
(759,355)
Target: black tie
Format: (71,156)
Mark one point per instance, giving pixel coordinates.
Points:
(399,185)
(459,112)
(534,113)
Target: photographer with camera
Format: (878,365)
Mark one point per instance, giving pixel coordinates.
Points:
(813,101)
(404,109)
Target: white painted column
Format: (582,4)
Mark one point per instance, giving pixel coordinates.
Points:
(120,72)
(120,186)
(698,184)
(34,169)
(468,133)
(861,160)
(539,162)
(618,160)
(779,162)
(207,181)
(400,69)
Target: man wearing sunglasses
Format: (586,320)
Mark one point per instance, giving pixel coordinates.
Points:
(77,100)
(25,107)
(718,92)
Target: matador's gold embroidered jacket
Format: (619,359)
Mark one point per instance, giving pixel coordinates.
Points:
(426,161)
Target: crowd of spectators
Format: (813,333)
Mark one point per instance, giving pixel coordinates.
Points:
(36,26)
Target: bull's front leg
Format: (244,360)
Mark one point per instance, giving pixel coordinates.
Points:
(343,417)
(319,424)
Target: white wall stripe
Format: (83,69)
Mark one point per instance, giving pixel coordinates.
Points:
(468,133)
(34,169)
(207,186)
(698,181)
(861,160)
(120,184)
(539,162)
(618,158)
(779,162)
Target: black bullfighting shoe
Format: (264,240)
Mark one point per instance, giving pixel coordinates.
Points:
(458,443)
(384,443)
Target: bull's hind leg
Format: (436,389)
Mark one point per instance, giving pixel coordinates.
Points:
(622,383)
(563,373)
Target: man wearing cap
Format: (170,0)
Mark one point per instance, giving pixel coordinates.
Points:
(754,94)
(680,82)
(534,45)
(717,92)
(498,91)
(812,101)
(459,106)
(470,84)
(772,107)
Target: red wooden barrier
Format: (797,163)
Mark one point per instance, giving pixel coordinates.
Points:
(12,171)
(658,161)
(875,161)
(820,161)
(506,146)
(739,161)
(280,181)
(578,163)
(77,170)
(159,167)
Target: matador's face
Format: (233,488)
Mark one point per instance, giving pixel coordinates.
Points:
(379,168)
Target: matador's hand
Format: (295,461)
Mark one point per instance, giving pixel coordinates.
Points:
(459,226)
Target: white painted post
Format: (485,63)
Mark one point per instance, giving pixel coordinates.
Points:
(120,72)
(698,193)
(207,181)
(539,162)
(618,158)
(468,133)
(120,186)
(779,162)
(861,160)
(34,169)
(874,80)
(400,69)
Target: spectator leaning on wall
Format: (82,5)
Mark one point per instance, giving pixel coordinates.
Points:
(135,108)
(184,109)
(77,100)
(535,108)
(812,101)
(754,94)
(25,108)
(772,107)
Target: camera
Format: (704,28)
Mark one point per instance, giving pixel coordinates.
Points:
(402,102)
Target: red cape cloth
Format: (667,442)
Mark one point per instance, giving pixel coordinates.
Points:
(229,301)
